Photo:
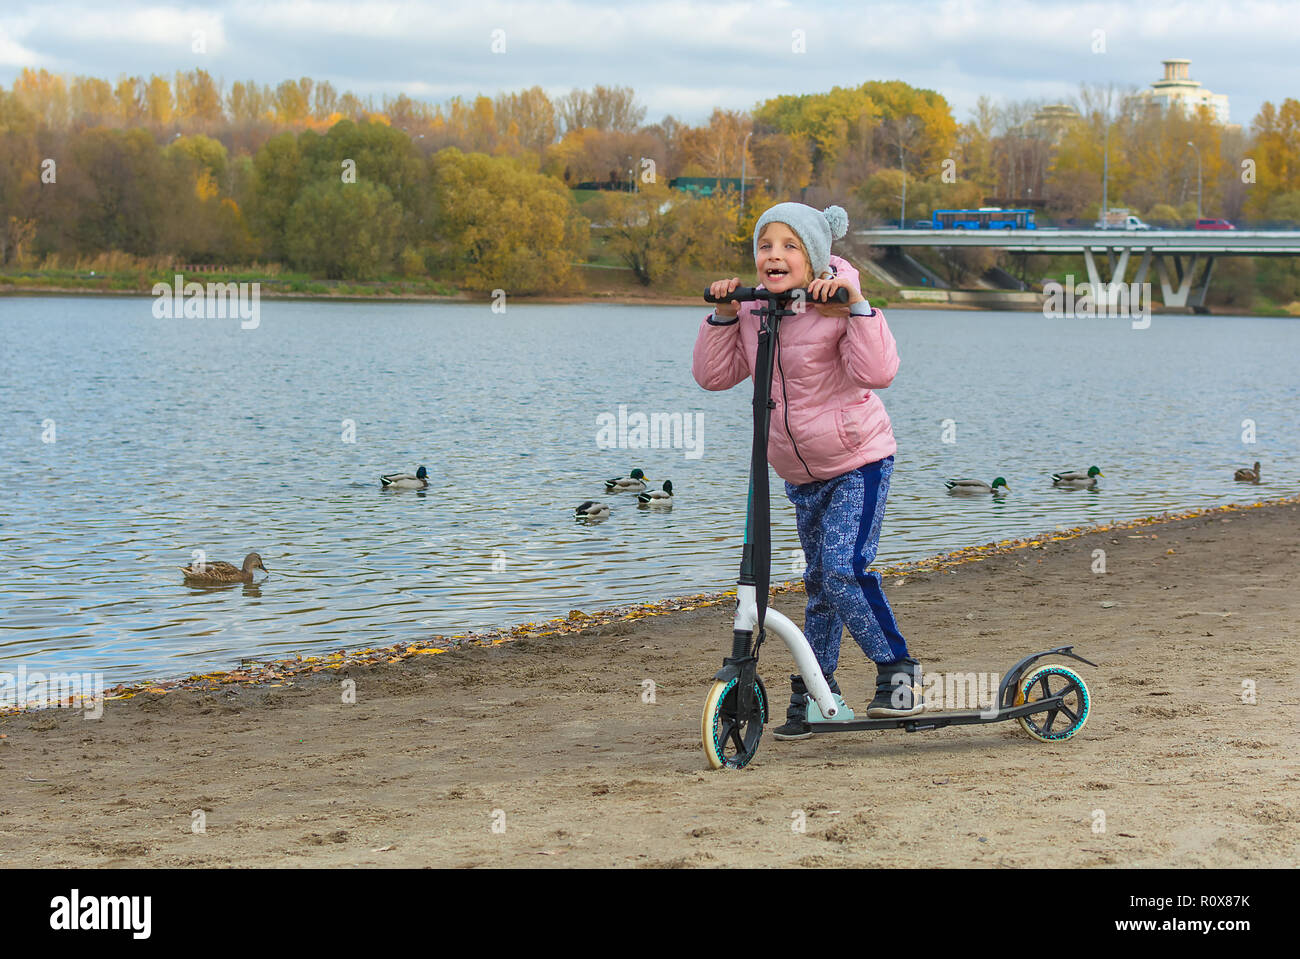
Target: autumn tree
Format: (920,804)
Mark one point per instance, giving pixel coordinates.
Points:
(44,94)
(527,122)
(657,232)
(1275,149)
(277,178)
(292,102)
(609,109)
(202,222)
(344,230)
(19,177)
(111,194)
(159,108)
(784,161)
(129,96)
(197,99)
(248,103)
(91,101)
(499,226)
(375,152)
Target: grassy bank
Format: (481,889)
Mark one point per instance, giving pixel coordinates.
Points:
(595,281)
(128,281)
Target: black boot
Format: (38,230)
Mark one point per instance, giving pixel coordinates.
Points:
(898,690)
(796,716)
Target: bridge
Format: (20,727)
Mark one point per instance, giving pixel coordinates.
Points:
(1176,254)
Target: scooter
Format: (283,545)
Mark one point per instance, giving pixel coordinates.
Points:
(1050,701)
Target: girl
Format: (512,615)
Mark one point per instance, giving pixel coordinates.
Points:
(830,440)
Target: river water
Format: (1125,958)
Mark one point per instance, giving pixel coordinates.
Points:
(127,442)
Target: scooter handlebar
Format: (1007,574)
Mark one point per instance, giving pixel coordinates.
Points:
(743,293)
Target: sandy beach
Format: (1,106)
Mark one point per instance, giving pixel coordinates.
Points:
(543,751)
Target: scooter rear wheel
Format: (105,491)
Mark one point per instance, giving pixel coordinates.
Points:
(730,741)
(1056,725)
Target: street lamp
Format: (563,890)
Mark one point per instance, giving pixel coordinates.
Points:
(744,149)
(902,212)
(1198,177)
(1105,176)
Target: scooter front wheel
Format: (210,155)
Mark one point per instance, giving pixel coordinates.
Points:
(730,740)
(1054,725)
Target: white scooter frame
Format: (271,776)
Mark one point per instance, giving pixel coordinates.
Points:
(793,637)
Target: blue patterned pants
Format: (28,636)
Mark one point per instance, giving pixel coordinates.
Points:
(839,526)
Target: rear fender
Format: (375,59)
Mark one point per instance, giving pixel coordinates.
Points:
(1010,684)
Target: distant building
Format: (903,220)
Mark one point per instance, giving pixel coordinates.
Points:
(1178,87)
(1054,118)
(708,185)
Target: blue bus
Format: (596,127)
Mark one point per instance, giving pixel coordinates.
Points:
(985,218)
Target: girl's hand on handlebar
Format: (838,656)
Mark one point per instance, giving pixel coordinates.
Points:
(722,288)
(821,290)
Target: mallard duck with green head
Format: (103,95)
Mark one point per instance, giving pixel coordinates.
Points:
(417,480)
(1247,475)
(974,487)
(1078,479)
(634,482)
(657,497)
(216,573)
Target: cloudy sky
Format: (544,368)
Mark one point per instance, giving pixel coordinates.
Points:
(681,56)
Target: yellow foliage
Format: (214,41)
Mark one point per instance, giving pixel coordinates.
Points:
(205,187)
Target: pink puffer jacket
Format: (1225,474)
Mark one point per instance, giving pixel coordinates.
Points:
(833,422)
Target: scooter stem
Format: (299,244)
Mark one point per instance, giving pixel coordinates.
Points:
(752,613)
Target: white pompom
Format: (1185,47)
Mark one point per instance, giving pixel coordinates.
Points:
(838,219)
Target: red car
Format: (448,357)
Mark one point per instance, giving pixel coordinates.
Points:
(1207,223)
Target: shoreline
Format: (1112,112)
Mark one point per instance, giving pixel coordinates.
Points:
(896,302)
(281,673)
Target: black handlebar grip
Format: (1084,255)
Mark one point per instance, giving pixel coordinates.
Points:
(742,293)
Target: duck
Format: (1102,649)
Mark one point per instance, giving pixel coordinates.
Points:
(634,482)
(591,510)
(1078,479)
(1247,475)
(417,480)
(217,572)
(974,487)
(657,497)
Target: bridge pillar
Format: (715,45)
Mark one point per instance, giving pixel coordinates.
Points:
(1090,263)
(1117,270)
(1198,298)
(1178,297)
(1143,267)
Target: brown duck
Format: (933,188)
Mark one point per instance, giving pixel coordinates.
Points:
(216,572)
(1247,475)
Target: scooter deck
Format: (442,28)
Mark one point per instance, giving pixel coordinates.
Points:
(937,720)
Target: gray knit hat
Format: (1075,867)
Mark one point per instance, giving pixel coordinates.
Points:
(815,229)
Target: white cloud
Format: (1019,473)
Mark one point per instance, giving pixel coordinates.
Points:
(12,52)
(150,26)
